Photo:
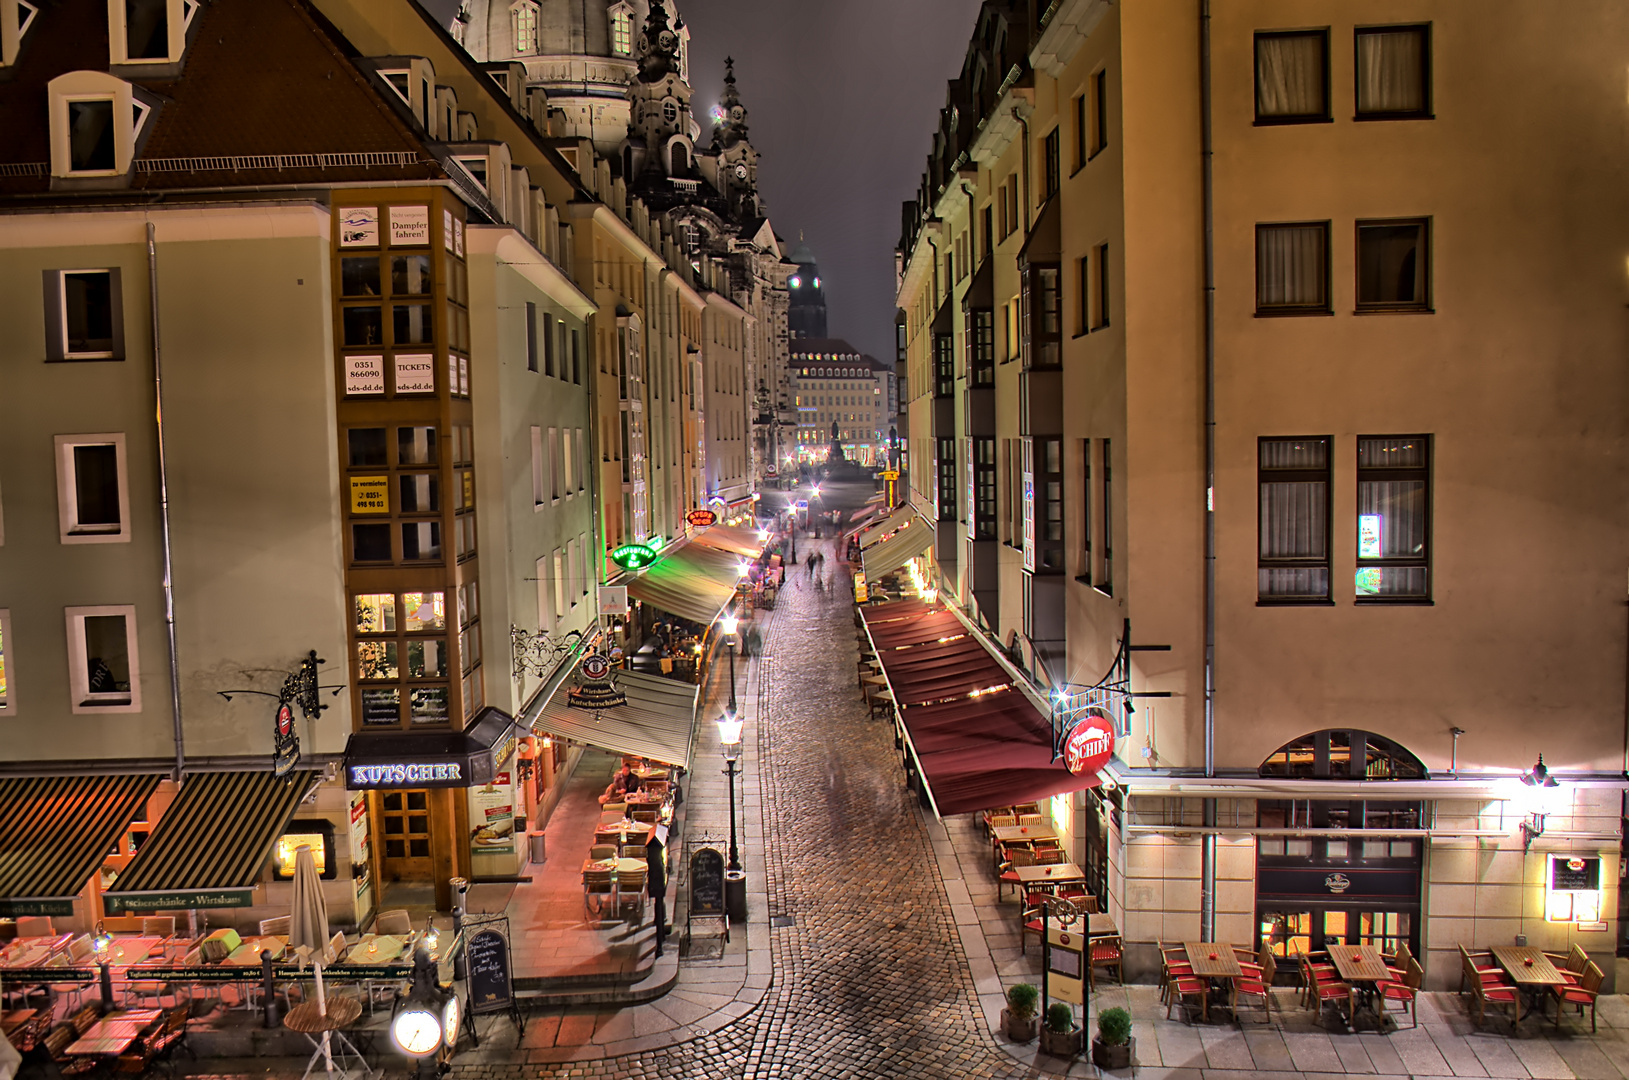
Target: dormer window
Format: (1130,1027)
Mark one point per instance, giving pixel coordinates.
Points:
(524,18)
(476,167)
(16,16)
(622,30)
(399,82)
(95,120)
(149,31)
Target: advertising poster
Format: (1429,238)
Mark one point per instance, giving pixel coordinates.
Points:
(364,375)
(409,226)
(358,226)
(492,817)
(447,229)
(370,494)
(415,374)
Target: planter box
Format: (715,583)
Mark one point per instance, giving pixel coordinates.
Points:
(1020,1031)
(1114,1057)
(1063,1044)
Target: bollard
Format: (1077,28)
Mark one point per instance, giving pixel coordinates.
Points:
(269,990)
(460,891)
(106,987)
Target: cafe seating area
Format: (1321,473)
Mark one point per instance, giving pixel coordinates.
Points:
(614,872)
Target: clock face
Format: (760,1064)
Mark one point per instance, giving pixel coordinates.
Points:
(741,171)
(667,41)
(449,1021)
(417,1031)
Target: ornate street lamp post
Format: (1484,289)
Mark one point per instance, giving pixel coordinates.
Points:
(735,879)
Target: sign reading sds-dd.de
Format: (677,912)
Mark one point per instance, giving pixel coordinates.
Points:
(370,494)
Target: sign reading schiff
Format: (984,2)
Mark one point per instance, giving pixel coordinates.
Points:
(1089,746)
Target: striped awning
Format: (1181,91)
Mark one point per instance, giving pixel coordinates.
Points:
(56,830)
(211,844)
(658,722)
(914,536)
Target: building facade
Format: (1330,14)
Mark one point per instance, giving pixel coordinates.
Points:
(841,398)
(1134,295)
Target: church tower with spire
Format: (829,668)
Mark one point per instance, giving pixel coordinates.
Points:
(661,131)
(737,158)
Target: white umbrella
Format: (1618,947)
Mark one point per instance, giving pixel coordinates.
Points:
(10,1059)
(308,928)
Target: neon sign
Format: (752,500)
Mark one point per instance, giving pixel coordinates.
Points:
(633,556)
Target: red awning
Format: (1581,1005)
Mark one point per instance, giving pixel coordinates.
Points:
(975,751)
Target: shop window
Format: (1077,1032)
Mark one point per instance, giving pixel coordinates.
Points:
(427,658)
(381,706)
(375,613)
(366,446)
(377,660)
(409,275)
(359,276)
(102,661)
(428,705)
(84,315)
(93,489)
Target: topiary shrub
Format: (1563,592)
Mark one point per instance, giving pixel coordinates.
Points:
(1021,1000)
(1060,1018)
(1113,1026)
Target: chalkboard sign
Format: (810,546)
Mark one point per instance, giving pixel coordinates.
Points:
(486,954)
(706,883)
(1574,872)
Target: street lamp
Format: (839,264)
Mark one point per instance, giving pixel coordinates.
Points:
(1542,798)
(729,624)
(735,879)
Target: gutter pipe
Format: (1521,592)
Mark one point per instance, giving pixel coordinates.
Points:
(1207,882)
(164,511)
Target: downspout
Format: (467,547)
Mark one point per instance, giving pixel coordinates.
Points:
(1207,883)
(1024,123)
(164,511)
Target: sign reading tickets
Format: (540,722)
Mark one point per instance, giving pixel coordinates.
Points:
(364,375)
(1090,745)
(358,226)
(409,226)
(370,494)
(415,374)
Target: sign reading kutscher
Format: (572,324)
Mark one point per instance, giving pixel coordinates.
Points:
(407,774)
(1089,746)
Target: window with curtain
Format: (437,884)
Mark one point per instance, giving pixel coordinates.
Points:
(1292,77)
(1393,265)
(1292,268)
(1394,509)
(1293,553)
(1393,72)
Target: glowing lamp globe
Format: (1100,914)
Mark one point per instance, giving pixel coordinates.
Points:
(417,1029)
(729,730)
(729,624)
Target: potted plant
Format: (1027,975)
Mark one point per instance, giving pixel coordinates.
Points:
(1018,1018)
(1112,1046)
(1061,1036)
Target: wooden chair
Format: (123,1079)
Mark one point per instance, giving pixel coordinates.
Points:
(1029,820)
(1481,963)
(1583,995)
(1488,990)
(1026,808)
(277,927)
(394,922)
(158,926)
(1000,820)
(56,1045)
(631,890)
(1256,984)
(1405,991)
(1049,857)
(603,851)
(34,926)
(1187,991)
(646,817)
(1326,989)
(139,1056)
(82,1020)
(596,889)
(613,811)
(1009,873)
(1174,964)
(1107,951)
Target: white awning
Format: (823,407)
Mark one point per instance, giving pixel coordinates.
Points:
(657,722)
(874,533)
(910,539)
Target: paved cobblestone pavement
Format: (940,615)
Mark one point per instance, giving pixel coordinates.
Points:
(869,979)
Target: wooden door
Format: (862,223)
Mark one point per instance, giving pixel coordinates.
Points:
(404,818)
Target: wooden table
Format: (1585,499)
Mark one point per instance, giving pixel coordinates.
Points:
(1056,874)
(1225,966)
(248,954)
(124,951)
(1361,967)
(113,1034)
(623,830)
(1530,970)
(1013,834)
(375,949)
(1101,924)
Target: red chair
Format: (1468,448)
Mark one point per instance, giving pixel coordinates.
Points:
(1326,989)
(1583,995)
(1257,983)
(1014,858)
(1108,952)
(1185,989)
(1405,991)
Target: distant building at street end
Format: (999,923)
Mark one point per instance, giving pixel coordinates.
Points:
(838,389)
(806,317)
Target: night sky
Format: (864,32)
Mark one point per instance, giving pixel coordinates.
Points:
(842,98)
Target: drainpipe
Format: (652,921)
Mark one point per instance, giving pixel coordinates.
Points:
(164,512)
(1024,122)
(1207,883)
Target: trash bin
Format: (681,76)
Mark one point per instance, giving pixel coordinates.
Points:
(538,850)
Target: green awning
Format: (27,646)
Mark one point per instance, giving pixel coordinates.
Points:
(694,583)
(56,830)
(211,844)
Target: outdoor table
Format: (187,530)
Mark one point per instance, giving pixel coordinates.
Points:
(14,1020)
(248,954)
(648,773)
(1101,925)
(1055,874)
(1529,969)
(375,949)
(125,951)
(341,1012)
(1214,962)
(1360,966)
(623,832)
(113,1034)
(1012,834)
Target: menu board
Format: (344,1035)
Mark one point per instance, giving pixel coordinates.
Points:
(492,810)
(361,839)
(706,883)
(1573,872)
(486,956)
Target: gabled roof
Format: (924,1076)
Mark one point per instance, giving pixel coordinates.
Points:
(259,78)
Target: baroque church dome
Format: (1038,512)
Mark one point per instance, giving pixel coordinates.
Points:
(493,30)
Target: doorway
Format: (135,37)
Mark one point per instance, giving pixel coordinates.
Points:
(404,818)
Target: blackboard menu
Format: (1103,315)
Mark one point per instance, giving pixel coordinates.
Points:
(707,883)
(1574,872)
(487,955)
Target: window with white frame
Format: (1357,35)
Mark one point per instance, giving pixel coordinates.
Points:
(523,16)
(84,315)
(95,120)
(8,687)
(103,669)
(148,31)
(538,499)
(93,489)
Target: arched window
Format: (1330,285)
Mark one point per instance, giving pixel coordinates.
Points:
(622,33)
(681,160)
(524,18)
(1344,755)
(670,112)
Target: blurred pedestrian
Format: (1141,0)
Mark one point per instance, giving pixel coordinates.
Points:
(656,881)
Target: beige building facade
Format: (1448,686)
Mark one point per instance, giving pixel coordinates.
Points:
(1286,304)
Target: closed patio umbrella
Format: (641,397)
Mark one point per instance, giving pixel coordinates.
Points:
(308,928)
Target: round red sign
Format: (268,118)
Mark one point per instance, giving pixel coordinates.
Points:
(701,519)
(1089,746)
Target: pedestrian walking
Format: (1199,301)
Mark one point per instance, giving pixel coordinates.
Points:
(656,881)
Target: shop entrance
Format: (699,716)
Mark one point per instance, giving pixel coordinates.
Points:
(404,820)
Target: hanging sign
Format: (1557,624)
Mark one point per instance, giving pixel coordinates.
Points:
(595,691)
(1090,745)
(285,740)
(701,519)
(633,556)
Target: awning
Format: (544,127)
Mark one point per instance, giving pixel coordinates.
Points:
(736,541)
(912,538)
(980,742)
(426,759)
(658,721)
(694,582)
(210,845)
(56,830)
(896,517)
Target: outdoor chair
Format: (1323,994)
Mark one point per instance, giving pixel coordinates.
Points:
(139,1056)
(73,991)
(1583,995)
(1049,857)
(34,926)
(1256,984)
(276,927)
(1188,992)
(1173,965)
(1107,952)
(1488,989)
(602,851)
(1031,820)
(158,926)
(395,922)
(1481,964)
(596,889)
(56,1045)
(646,817)
(1009,874)
(1405,991)
(1000,820)
(1326,989)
